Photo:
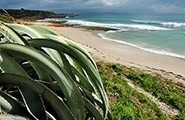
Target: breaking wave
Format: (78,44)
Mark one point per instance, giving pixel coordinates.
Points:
(118,26)
(175,25)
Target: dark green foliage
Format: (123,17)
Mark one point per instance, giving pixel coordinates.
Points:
(33,14)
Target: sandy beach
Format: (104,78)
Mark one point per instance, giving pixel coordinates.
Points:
(169,68)
(110,51)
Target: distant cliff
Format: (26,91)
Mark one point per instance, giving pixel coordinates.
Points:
(32,14)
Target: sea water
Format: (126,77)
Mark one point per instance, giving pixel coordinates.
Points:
(159,34)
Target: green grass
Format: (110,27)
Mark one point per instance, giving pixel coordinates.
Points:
(127,103)
(165,91)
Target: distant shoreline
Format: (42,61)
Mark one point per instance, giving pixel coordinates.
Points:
(33,15)
(64,24)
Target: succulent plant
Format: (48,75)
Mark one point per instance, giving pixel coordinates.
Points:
(46,76)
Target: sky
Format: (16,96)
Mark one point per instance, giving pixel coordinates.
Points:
(125,6)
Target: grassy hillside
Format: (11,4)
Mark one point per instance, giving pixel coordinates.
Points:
(127,103)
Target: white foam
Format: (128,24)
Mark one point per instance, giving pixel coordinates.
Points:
(111,31)
(165,24)
(173,24)
(50,19)
(161,52)
(146,21)
(116,26)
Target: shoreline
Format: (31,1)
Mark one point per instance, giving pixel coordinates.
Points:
(167,67)
(162,52)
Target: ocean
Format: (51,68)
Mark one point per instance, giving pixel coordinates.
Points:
(159,34)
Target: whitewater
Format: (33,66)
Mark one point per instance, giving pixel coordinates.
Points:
(159,34)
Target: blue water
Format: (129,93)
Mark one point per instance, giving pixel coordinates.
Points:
(160,34)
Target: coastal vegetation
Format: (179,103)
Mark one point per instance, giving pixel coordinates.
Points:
(31,15)
(45,76)
(127,103)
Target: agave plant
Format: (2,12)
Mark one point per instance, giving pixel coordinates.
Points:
(46,76)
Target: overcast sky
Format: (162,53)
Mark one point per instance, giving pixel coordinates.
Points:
(126,6)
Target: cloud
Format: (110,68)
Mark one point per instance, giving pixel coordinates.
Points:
(49,1)
(111,2)
(106,2)
(166,8)
(134,6)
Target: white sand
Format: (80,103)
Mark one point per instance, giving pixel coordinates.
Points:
(104,50)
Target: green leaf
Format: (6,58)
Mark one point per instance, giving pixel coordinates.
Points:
(58,105)
(9,65)
(11,34)
(47,33)
(67,66)
(16,107)
(93,109)
(55,56)
(72,44)
(86,83)
(82,60)
(42,73)
(6,106)
(97,101)
(65,82)
(37,32)
(43,30)
(26,30)
(34,34)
